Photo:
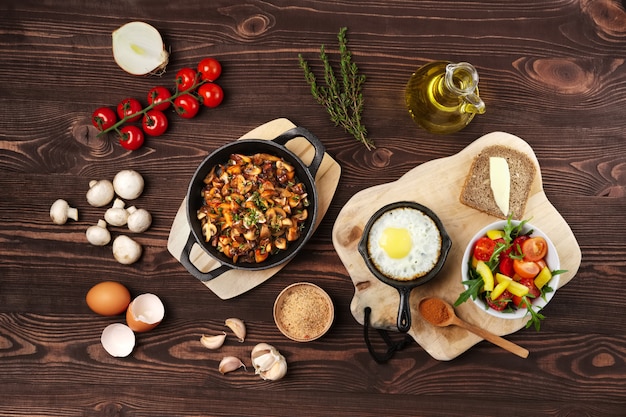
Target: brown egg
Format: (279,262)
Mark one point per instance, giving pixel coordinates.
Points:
(108,298)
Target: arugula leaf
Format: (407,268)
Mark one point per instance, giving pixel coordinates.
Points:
(474,288)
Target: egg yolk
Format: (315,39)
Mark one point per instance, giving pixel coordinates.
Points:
(396,242)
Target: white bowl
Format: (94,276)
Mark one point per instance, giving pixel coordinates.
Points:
(552,260)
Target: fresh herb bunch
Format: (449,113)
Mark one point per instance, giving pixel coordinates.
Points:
(475,283)
(342,99)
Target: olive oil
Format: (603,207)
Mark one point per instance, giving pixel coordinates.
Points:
(442,97)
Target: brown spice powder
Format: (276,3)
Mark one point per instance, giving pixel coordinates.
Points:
(304,313)
(434,311)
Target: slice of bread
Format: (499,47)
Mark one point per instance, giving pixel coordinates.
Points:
(477,193)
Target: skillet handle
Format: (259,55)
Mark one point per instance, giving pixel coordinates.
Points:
(404,310)
(312,139)
(202,276)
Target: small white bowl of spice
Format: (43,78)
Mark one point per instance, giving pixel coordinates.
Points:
(303,312)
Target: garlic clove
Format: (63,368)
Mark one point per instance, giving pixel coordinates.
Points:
(230,364)
(276,371)
(238,328)
(213,342)
(138,49)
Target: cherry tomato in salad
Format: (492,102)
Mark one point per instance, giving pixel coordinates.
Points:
(210,69)
(506,266)
(211,94)
(483,249)
(501,302)
(127,107)
(103,118)
(186,78)
(154,123)
(159,95)
(534,249)
(533,292)
(187,106)
(526,269)
(131,137)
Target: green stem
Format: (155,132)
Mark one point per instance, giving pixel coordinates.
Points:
(146,109)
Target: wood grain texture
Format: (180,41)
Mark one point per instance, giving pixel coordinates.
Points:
(551,72)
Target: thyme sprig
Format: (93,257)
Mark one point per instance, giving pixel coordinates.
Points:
(343,100)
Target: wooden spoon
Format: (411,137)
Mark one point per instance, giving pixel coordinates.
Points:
(440,313)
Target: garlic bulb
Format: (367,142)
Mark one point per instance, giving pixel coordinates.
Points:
(237,326)
(268,362)
(138,49)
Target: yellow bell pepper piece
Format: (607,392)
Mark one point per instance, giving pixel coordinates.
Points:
(518,289)
(495,234)
(544,276)
(486,274)
(499,289)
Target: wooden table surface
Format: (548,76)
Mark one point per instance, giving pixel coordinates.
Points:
(552,72)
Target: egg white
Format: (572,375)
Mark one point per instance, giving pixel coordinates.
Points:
(425,244)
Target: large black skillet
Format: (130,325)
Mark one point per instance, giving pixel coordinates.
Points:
(405,287)
(276,147)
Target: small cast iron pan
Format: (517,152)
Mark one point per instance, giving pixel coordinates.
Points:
(276,147)
(405,287)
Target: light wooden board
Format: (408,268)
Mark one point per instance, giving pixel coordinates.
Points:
(437,185)
(235,282)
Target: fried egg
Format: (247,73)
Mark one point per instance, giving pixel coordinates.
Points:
(404,244)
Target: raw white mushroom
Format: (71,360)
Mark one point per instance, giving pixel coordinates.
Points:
(117,215)
(98,235)
(100,193)
(60,211)
(128,184)
(125,250)
(118,340)
(139,220)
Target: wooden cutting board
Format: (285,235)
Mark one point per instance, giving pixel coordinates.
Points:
(437,185)
(235,282)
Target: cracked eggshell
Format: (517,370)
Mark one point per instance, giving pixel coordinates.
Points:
(145,313)
(118,340)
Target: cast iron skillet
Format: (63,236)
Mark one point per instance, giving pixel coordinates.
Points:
(405,287)
(276,147)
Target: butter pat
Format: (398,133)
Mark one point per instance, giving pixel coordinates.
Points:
(500,178)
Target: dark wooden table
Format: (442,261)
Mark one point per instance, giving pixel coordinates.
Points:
(552,72)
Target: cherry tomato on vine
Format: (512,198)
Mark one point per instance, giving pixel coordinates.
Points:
(211,94)
(103,118)
(186,78)
(187,106)
(154,123)
(210,69)
(127,107)
(131,137)
(159,95)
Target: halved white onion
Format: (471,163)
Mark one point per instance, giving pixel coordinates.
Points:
(118,340)
(138,49)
